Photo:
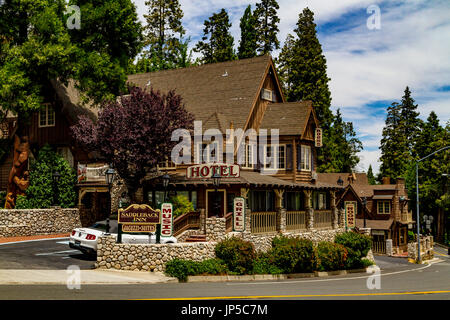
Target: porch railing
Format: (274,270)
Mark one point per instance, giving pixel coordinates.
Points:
(229,221)
(190,220)
(295,220)
(323,219)
(264,222)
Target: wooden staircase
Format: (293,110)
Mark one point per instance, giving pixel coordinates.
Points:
(196,238)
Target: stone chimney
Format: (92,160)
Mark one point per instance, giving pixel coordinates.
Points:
(400,183)
(386,180)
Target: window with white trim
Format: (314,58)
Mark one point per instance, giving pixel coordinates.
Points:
(211,150)
(305,158)
(384,207)
(47,116)
(275,157)
(249,161)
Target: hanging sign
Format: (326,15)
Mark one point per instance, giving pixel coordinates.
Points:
(350,210)
(318,137)
(166,220)
(206,171)
(239,214)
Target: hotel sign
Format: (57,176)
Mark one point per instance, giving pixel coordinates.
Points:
(350,213)
(166,220)
(139,214)
(239,214)
(206,171)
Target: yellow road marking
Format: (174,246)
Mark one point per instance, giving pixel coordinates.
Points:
(307,295)
(444,255)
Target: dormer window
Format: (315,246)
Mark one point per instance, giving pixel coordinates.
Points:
(47,116)
(384,207)
(268,95)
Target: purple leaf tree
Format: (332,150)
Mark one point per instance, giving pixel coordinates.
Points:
(134,133)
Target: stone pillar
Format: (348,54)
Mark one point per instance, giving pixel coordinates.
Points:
(341,218)
(309,211)
(389,248)
(203,220)
(215,229)
(281,220)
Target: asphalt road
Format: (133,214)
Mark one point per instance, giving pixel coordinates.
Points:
(399,280)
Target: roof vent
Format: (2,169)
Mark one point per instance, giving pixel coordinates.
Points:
(149,83)
(225,74)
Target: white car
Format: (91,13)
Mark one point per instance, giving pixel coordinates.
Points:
(85,239)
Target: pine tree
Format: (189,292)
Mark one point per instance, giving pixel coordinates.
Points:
(219,47)
(394,150)
(164,33)
(370,176)
(267,26)
(285,64)
(247,46)
(410,123)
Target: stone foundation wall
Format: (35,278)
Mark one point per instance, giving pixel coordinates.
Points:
(148,257)
(30,222)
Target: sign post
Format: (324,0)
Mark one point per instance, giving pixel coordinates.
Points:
(239,214)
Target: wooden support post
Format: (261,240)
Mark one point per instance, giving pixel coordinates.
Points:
(309,210)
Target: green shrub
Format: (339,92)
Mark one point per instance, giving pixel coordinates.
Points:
(331,256)
(264,264)
(2,199)
(237,254)
(39,194)
(366,263)
(181,205)
(181,269)
(357,245)
(294,255)
(411,236)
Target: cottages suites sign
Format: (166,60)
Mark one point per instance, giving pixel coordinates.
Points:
(350,212)
(318,138)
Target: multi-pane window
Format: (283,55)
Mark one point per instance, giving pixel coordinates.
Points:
(47,116)
(208,153)
(262,201)
(293,201)
(384,207)
(319,200)
(305,158)
(275,157)
(249,156)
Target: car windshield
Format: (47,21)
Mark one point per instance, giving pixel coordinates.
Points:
(98,226)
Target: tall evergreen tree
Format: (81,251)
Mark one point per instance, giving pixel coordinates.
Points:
(370,176)
(394,150)
(247,45)
(285,64)
(410,122)
(343,147)
(164,33)
(267,26)
(217,42)
(309,70)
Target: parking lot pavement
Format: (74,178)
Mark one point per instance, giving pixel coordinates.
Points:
(42,254)
(391,263)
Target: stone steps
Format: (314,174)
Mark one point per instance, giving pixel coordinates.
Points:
(196,238)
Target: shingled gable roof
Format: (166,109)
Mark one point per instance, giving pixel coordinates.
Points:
(228,89)
(290,118)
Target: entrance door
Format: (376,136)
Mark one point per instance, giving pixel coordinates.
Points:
(216,203)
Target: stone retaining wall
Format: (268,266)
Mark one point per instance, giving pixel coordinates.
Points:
(31,222)
(426,248)
(148,257)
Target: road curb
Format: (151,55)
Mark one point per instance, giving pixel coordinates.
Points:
(259,277)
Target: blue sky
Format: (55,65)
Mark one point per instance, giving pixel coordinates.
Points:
(369,69)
